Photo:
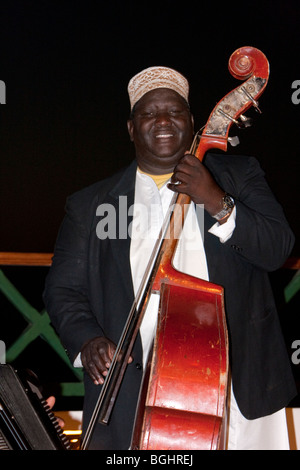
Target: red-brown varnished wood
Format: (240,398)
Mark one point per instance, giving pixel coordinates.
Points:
(186,396)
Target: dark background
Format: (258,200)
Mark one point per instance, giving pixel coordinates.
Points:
(66,65)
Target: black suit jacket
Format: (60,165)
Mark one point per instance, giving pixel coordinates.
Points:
(89,290)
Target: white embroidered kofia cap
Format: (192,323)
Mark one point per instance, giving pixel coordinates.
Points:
(156,77)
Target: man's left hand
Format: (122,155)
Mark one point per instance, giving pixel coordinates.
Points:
(198,183)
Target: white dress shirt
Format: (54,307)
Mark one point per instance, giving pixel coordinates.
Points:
(267,433)
(150,207)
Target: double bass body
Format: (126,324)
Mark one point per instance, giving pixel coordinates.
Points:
(186,394)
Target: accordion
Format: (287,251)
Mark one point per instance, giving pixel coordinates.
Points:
(26,421)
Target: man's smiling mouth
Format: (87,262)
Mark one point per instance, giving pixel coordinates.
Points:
(163,136)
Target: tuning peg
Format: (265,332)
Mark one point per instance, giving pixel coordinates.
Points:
(245,121)
(254,102)
(234,141)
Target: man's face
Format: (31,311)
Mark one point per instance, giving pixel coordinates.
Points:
(161,129)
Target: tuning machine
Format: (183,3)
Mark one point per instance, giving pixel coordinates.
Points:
(247,92)
(244,121)
(234,141)
(241,123)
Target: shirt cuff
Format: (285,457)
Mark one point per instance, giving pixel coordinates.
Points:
(224,231)
(77,362)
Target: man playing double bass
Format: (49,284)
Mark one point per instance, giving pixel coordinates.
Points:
(234,234)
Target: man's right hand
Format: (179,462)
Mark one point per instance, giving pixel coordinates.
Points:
(96,357)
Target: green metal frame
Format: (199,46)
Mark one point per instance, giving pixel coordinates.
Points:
(38,326)
(293,287)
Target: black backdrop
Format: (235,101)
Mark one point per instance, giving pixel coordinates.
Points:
(66,65)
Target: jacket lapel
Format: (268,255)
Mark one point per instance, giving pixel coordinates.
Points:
(121,198)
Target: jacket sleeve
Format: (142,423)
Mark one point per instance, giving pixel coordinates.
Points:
(262,235)
(66,294)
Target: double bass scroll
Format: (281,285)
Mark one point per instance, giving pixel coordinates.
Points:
(246,63)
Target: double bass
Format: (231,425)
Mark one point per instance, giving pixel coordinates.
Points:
(183,398)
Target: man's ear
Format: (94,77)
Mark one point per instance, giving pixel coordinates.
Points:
(130,127)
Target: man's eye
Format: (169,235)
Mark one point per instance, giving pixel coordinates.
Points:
(174,111)
(147,114)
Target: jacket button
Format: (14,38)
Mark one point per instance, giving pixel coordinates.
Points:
(236,247)
(138,365)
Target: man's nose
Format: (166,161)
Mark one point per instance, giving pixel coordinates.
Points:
(162,119)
